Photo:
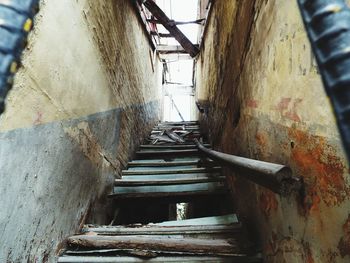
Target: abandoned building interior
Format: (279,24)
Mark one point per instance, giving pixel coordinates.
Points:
(174,131)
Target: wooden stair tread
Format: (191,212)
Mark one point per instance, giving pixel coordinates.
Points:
(162,161)
(170,176)
(163,230)
(176,146)
(194,179)
(172,151)
(169,190)
(209,220)
(171,171)
(170,259)
(158,243)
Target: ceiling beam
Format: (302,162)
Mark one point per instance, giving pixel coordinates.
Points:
(171,27)
(166,49)
(177,23)
(153,33)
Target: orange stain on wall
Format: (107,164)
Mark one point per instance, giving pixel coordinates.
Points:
(322,168)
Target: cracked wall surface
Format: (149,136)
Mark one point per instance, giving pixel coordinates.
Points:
(259,80)
(85,98)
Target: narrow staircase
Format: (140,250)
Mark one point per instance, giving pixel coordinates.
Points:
(167,171)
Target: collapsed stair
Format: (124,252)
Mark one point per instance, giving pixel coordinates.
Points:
(168,170)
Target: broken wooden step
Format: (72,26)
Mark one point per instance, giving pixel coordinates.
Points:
(207,227)
(163,244)
(208,239)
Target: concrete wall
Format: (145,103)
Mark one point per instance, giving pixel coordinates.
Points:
(87,94)
(266,101)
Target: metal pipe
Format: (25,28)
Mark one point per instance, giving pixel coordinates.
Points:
(327,23)
(276,177)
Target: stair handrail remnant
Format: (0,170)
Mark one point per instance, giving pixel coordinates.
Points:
(276,177)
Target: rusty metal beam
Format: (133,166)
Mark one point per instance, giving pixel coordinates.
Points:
(171,27)
(276,177)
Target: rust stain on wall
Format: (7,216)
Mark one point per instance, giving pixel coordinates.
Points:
(252,103)
(344,243)
(288,108)
(261,139)
(320,161)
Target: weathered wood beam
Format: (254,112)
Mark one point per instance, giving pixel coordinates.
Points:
(153,33)
(174,56)
(165,49)
(190,245)
(171,27)
(198,21)
(149,230)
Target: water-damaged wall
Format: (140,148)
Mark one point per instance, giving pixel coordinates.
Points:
(87,94)
(259,79)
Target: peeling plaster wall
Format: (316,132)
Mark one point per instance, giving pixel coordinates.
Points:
(88,93)
(265,101)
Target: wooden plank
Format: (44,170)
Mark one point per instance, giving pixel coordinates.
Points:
(180,123)
(161,160)
(167,49)
(187,127)
(217,247)
(164,163)
(168,259)
(171,171)
(161,168)
(174,191)
(164,230)
(171,27)
(176,146)
(170,189)
(210,220)
(161,164)
(125,182)
(175,57)
(167,152)
(153,33)
(169,176)
(167,155)
(172,135)
(160,131)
